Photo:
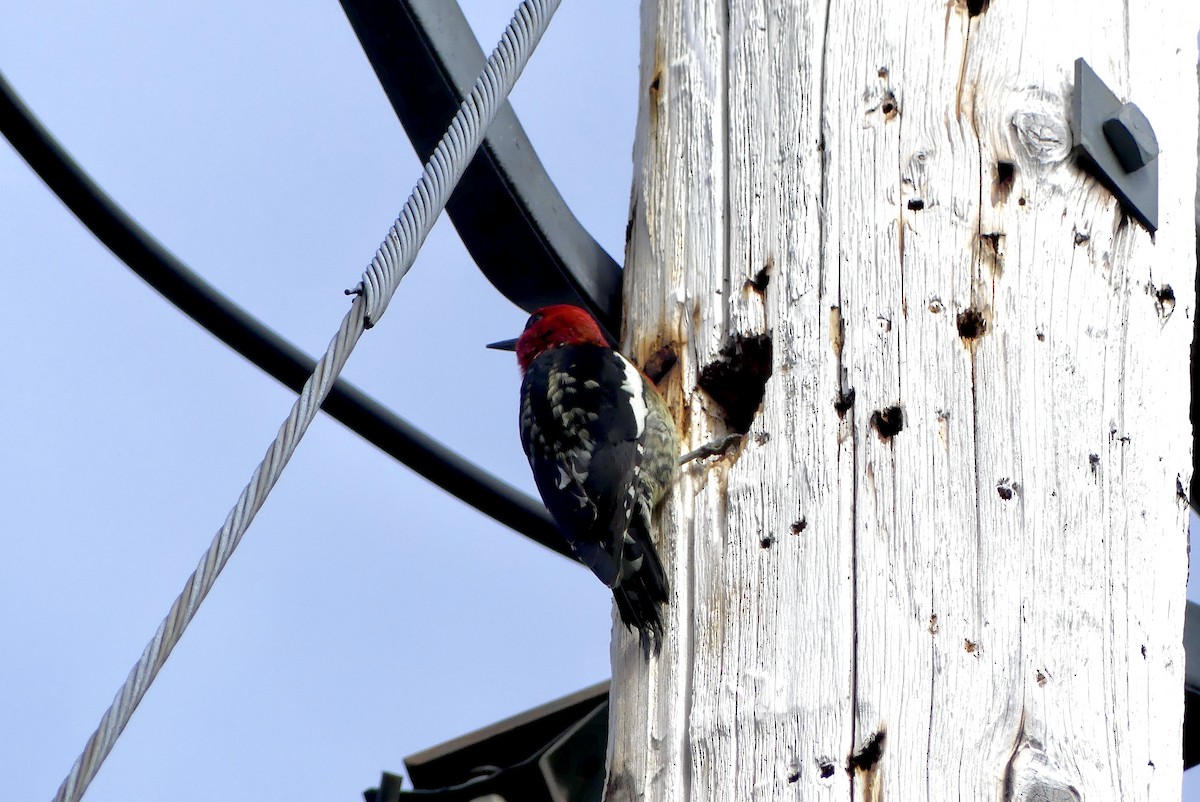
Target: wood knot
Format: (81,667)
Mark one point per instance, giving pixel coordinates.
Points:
(1032,777)
(1043,131)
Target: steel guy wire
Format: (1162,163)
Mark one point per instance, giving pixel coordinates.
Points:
(392,260)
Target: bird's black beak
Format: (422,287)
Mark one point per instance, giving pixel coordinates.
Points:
(504,345)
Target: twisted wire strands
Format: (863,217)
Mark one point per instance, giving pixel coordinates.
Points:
(452,154)
(392,260)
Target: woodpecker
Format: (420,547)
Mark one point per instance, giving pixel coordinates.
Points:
(604,451)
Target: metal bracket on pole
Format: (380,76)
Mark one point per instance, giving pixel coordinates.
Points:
(1191,685)
(508,213)
(1117,143)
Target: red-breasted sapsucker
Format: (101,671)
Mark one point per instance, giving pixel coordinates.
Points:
(604,450)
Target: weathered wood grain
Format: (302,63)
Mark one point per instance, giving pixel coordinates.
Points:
(948,561)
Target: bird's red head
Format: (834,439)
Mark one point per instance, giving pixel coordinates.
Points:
(555,326)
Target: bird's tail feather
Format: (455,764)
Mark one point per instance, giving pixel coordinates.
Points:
(642,590)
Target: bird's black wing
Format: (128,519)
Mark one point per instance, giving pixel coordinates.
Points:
(580,432)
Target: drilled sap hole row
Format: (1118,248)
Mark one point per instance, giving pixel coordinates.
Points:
(865,761)
(736,381)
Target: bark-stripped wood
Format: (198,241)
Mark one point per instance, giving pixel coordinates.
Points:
(948,561)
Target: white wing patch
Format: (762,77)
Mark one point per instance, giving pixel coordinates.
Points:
(572,470)
(633,386)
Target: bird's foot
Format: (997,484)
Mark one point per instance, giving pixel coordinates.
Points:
(716,448)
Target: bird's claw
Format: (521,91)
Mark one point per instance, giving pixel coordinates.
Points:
(716,448)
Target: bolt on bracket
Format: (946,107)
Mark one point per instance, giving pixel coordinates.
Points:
(1116,142)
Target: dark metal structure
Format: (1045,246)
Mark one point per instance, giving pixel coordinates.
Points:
(1117,142)
(1191,686)
(553,753)
(508,212)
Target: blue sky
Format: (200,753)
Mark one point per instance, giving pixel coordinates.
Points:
(367,615)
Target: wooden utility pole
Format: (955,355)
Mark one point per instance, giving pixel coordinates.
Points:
(949,559)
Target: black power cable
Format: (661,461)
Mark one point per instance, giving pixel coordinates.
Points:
(247,335)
